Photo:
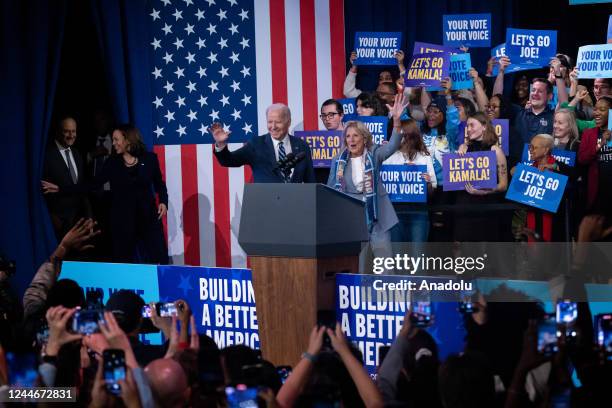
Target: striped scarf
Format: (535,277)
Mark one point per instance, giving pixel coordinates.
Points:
(369,184)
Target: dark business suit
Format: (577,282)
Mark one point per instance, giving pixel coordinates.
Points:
(260,155)
(65,209)
(136,231)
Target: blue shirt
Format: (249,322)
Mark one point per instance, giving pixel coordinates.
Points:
(527,124)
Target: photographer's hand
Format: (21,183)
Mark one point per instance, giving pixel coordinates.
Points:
(57,319)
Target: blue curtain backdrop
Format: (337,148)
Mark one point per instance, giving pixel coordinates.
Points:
(30,45)
(123,34)
(420,20)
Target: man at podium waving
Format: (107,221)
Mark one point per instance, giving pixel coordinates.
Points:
(276,157)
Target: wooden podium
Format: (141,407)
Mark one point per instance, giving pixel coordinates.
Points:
(297,236)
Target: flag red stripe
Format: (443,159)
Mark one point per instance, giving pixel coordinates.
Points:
(278,51)
(223,251)
(248,178)
(338,55)
(160,151)
(191,224)
(309,67)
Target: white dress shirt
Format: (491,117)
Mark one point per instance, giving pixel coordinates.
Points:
(62,149)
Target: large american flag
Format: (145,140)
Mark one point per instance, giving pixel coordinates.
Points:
(226,61)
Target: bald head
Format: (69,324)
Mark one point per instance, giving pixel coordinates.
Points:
(168,382)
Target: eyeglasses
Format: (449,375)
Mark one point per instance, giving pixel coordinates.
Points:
(532,147)
(329,115)
(491,106)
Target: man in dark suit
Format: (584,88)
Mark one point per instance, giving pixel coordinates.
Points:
(263,153)
(64,166)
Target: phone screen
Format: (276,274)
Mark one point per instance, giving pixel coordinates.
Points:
(86,321)
(167,309)
(146,311)
(114,369)
(421,313)
(547,336)
(283,372)
(567,312)
(241,397)
(22,369)
(604,334)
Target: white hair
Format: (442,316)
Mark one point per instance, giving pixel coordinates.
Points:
(281,107)
(549,139)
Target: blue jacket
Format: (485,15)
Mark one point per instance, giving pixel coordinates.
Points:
(259,154)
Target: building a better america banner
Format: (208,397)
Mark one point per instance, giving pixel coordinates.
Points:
(226,61)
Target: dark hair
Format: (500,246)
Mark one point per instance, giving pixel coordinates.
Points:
(607,99)
(438,102)
(334,102)
(489,137)
(67,293)
(549,87)
(330,382)
(504,106)
(468,106)
(131,133)
(235,358)
(370,100)
(467,381)
(412,140)
(394,71)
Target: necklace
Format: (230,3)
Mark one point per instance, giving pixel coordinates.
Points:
(133,163)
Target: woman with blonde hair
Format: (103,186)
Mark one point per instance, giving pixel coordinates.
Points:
(356,172)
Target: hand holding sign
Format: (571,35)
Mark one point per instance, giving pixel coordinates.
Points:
(352,58)
(219,134)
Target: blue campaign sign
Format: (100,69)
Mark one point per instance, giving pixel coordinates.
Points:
(609,36)
(349,108)
(500,51)
(539,189)
(221,299)
(426,48)
(403,182)
(377,125)
(427,69)
(477,168)
(372,316)
(324,145)
(567,157)
(609,119)
(594,61)
(469,30)
(502,130)
(531,47)
(459,72)
(377,48)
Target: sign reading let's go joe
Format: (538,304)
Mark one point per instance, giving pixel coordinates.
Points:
(540,189)
(532,47)
(377,48)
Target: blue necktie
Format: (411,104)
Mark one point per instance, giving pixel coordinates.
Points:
(281,156)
